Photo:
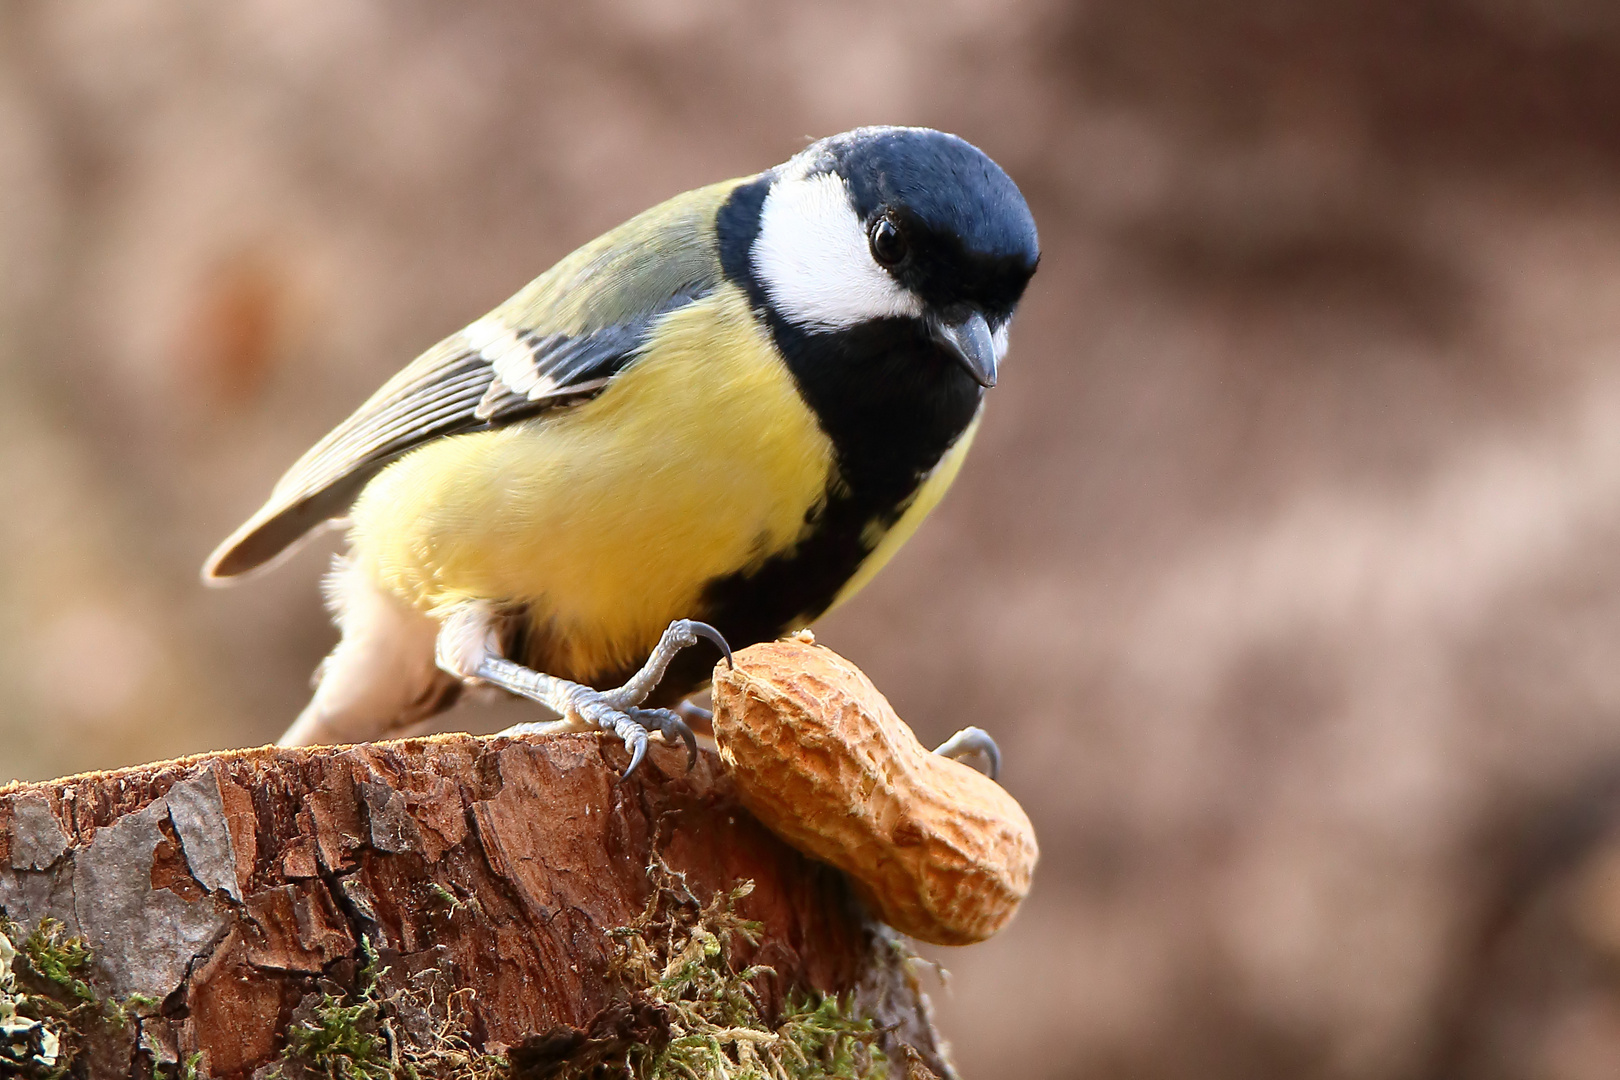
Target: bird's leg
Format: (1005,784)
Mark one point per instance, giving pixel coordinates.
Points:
(970,741)
(582,707)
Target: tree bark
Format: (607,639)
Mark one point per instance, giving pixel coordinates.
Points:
(235,888)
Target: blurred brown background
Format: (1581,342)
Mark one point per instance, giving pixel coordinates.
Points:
(1286,567)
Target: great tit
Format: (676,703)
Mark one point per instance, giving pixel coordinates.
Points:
(732,408)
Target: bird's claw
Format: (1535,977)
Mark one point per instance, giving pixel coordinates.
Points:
(635,740)
(633,725)
(668,724)
(704,630)
(970,741)
(598,709)
(617,710)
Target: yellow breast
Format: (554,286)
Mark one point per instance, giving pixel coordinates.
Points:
(700,459)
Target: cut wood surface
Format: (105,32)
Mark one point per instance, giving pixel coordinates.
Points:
(228,886)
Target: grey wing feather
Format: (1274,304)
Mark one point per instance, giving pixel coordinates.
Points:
(561,339)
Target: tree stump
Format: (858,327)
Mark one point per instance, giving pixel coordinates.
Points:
(476,882)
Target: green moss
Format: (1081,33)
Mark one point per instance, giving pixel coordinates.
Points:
(680,956)
(677,961)
(444,898)
(342,1040)
(30,1039)
(353,1037)
(59,959)
(47,1008)
(44,1004)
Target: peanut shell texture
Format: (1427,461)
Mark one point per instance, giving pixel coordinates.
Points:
(937,850)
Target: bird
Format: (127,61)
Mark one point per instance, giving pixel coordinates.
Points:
(716,421)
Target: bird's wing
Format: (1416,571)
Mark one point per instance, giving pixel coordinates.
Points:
(558,340)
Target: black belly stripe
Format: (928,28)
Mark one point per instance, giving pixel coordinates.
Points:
(889,429)
(892,404)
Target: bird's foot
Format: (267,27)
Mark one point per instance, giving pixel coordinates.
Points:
(616,710)
(972,741)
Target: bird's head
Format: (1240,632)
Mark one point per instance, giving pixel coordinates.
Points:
(890,223)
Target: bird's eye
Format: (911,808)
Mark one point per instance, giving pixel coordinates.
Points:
(888,243)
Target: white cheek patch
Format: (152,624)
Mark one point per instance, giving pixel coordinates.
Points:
(812,258)
(999,339)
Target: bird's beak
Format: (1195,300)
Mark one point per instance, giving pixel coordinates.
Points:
(968,339)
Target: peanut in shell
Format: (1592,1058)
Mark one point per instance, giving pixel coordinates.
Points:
(937,850)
